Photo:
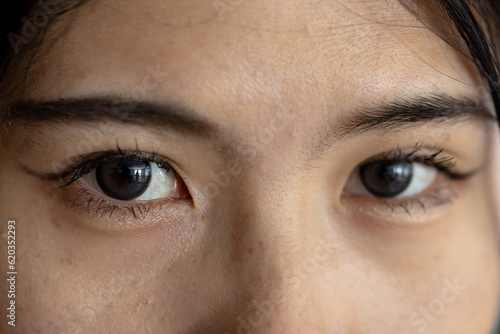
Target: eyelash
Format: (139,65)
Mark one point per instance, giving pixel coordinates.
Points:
(133,208)
(90,163)
(443,163)
(439,160)
(440,196)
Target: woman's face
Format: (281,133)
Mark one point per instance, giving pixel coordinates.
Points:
(332,173)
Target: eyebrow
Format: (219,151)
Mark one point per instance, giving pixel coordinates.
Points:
(408,112)
(145,114)
(388,116)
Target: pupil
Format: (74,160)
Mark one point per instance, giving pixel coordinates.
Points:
(124,179)
(386,178)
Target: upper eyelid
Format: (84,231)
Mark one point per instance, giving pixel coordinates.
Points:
(90,161)
(443,162)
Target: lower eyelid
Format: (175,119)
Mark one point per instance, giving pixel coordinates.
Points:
(93,214)
(405,211)
(100,207)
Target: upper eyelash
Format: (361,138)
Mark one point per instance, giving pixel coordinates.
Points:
(81,169)
(444,164)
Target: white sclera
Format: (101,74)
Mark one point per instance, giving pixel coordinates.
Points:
(423,177)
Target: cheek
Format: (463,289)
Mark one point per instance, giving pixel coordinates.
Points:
(71,278)
(462,274)
(437,279)
(77,282)
(446,293)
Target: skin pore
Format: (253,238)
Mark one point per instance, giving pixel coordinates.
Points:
(271,232)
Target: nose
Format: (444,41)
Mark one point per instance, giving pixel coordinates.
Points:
(288,252)
(293,295)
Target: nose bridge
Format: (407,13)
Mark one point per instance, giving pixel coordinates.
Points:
(286,250)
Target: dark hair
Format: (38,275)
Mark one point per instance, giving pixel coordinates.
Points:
(473,29)
(23,24)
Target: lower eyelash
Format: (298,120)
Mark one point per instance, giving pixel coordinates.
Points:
(438,197)
(101,207)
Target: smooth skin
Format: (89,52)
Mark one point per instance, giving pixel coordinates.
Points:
(268,241)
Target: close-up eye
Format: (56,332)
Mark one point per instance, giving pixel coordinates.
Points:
(405,174)
(125,177)
(389,179)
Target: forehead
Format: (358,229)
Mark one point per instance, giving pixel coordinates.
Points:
(309,53)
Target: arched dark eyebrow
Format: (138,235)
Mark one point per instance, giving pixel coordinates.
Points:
(388,116)
(145,114)
(407,112)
